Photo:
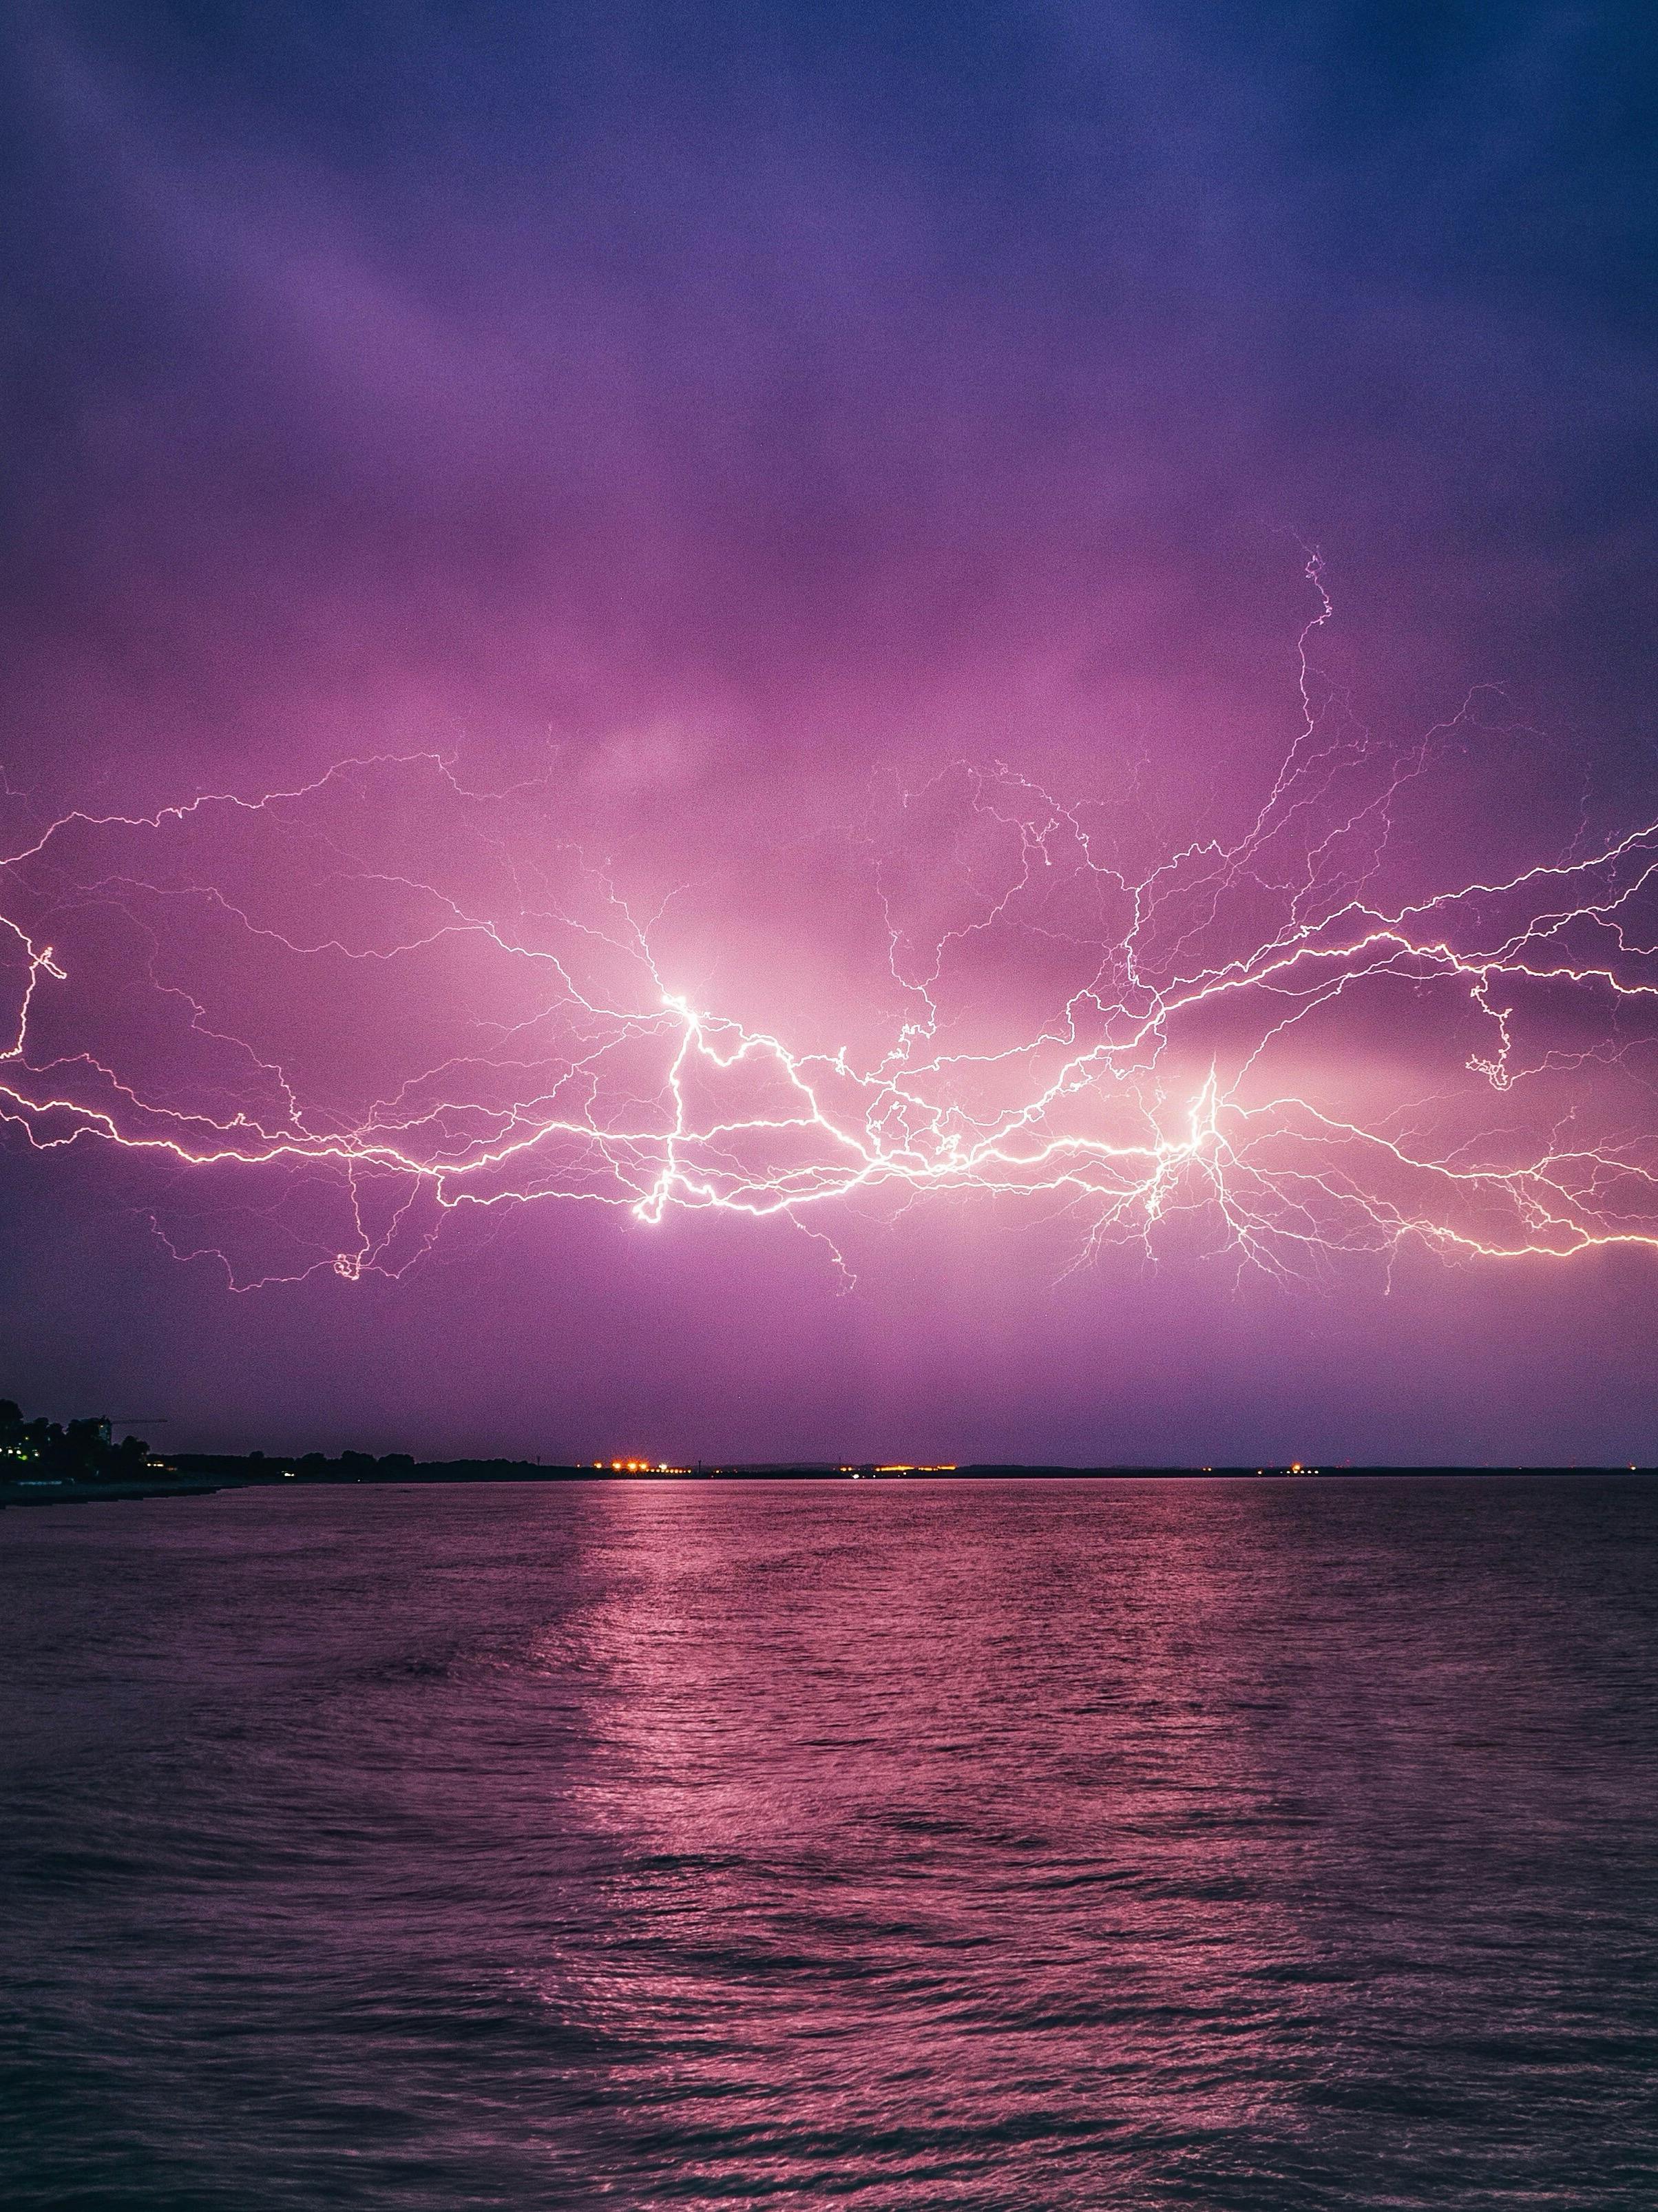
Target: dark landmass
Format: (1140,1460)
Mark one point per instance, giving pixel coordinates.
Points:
(84,1451)
(42,1463)
(396,1468)
(67,1490)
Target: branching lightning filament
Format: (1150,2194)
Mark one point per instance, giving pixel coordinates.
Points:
(337,1016)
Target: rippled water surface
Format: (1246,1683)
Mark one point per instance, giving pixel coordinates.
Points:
(1083,1844)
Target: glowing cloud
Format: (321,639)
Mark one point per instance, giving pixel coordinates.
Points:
(384,996)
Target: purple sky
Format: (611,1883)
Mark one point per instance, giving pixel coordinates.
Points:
(818,500)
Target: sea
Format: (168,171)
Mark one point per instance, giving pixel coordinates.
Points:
(1240,1846)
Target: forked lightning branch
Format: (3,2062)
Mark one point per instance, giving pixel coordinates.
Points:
(1246,1045)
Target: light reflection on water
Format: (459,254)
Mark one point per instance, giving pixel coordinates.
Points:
(1205,1844)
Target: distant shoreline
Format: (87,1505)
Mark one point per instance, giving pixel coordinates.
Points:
(505,1470)
(199,1474)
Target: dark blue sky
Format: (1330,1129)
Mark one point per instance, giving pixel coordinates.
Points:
(821,385)
(836,331)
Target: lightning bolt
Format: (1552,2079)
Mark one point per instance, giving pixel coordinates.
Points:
(1245,1042)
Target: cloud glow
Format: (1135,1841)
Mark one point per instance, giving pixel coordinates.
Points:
(332,1016)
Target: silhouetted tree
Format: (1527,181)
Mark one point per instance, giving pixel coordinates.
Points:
(82,1452)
